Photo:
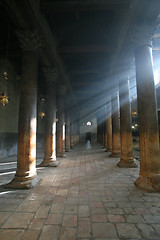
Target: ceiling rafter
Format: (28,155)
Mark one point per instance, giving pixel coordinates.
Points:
(87,5)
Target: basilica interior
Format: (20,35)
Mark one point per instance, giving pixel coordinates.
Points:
(79,119)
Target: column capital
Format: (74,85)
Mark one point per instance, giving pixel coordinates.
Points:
(30,40)
(51,74)
(141,34)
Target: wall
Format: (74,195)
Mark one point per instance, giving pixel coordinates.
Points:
(92,129)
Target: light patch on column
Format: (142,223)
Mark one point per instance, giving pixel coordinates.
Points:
(156,77)
(63,132)
(53,139)
(33,145)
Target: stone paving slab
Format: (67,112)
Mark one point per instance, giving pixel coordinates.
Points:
(87,197)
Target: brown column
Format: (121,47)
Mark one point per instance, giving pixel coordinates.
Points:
(75,134)
(109,127)
(116,145)
(127,159)
(61,123)
(68,142)
(26,175)
(105,127)
(106,135)
(72,134)
(50,119)
(149,178)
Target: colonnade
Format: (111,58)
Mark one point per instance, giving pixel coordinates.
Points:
(56,131)
(119,134)
(114,130)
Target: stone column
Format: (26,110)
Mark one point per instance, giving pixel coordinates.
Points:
(68,142)
(26,175)
(109,127)
(98,134)
(116,144)
(61,123)
(127,159)
(72,134)
(75,134)
(105,127)
(149,178)
(50,119)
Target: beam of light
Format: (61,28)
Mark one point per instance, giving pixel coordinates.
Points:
(2,193)
(7,163)
(156,77)
(7,173)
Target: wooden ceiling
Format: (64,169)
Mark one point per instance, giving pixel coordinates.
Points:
(87,34)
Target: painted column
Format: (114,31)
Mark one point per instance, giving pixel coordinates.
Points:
(127,159)
(116,144)
(72,134)
(105,128)
(68,142)
(50,119)
(149,178)
(26,175)
(61,123)
(109,127)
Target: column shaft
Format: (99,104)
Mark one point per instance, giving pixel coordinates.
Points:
(116,145)
(149,178)
(26,176)
(127,159)
(72,134)
(68,143)
(50,127)
(109,127)
(60,128)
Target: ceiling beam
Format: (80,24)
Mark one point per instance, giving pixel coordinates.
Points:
(88,71)
(87,5)
(85,49)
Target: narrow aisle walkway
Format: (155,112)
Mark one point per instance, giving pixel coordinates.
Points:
(86,197)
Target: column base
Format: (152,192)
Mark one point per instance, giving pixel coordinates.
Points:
(129,163)
(54,163)
(148,184)
(62,155)
(23,182)
(115,155)
(108,150)
(67,150)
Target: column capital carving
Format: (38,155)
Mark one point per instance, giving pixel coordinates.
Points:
(51,74)
(30,40)
(141,34)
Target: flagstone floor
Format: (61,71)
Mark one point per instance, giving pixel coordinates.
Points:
(86,197)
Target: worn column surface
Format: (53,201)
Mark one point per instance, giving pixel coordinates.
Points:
(68,142)
(61,124)
(149,178)
(49,159)
(26,175)
(72,134)
(116,145)
(109,127)
(127,159)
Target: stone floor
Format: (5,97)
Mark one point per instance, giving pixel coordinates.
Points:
(86,197)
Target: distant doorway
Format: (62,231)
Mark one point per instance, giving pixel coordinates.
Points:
(88,137)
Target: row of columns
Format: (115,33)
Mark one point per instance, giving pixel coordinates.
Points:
(119,133)
(26,174)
